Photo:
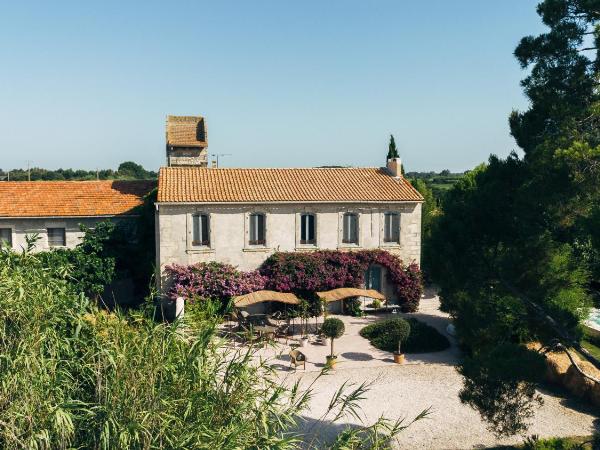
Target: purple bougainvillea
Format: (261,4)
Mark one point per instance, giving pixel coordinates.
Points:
(211,280)
(301,273)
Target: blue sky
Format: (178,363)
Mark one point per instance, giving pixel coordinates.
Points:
(281,84)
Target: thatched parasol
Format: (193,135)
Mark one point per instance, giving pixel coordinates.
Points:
(342,293)
(265,296)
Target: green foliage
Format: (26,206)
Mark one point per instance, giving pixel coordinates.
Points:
(333,328)
(130,171)
(421,338)
(392,150)
(91,266)
(376,303)
(387,334)
(352,307)
(429,212)
(500,383)
(516,245)
(72,376)
(535,443)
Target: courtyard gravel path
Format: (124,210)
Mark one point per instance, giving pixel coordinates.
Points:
(404,391)
(426,380)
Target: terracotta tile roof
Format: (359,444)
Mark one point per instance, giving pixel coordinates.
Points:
(186,131)
(71,198)
(207,185)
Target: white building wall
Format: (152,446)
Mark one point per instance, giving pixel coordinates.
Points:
(21,227)
(229,232)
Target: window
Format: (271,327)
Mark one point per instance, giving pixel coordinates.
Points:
(391,227)
(307,229)
(373,278)
(6,237)
(350,229)
(57,237)
(257,229)
(200,230)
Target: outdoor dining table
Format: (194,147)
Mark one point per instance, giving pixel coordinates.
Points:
(265,330)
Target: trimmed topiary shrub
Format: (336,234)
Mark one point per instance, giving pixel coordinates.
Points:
(387,334)
(333,328)
(421,337)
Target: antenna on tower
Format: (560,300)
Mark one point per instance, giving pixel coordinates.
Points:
(217,155)
(29,170)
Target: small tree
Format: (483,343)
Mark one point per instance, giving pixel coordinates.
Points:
(392,150)
(399,333)
(333,328)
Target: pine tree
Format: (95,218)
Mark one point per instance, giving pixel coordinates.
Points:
(392,150)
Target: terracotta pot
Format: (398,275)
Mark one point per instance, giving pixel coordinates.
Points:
(331,360)
(399,358)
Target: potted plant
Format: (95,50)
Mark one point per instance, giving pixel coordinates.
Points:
(332,328)
(399,334)
(304,314)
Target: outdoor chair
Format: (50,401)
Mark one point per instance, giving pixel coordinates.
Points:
(269,320)
(283,331)
(297,358)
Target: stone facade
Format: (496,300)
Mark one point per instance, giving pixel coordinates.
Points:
(229,241)
(21,227)
(187,157)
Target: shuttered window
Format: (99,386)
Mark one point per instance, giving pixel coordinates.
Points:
(350,229)
(257,229)
(6,237)
(201,230)
(307,229)
(391,231)
(57,237)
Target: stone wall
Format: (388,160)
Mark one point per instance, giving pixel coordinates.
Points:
(229,232)
(29,226)
(187,157)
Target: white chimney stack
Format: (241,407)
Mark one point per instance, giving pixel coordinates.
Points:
(394,166)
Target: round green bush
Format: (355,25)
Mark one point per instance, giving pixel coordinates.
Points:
(333,328)
(422,338)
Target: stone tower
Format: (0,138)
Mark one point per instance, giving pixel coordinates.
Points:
(186,141)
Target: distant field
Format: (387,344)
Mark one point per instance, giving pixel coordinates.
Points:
(439,183)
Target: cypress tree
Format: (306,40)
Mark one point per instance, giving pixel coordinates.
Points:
(392,150)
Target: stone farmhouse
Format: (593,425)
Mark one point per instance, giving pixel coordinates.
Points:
(234,216)
(241,216)
(54,209)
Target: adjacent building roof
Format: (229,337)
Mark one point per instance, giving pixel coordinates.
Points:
(71,198)
(186,131)
(212,185)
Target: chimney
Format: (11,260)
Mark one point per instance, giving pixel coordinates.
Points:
(394,166)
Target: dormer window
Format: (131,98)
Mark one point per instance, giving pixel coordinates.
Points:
(308,229)
(201,230)
(257,232)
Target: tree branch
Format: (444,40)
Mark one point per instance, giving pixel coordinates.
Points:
(558,329)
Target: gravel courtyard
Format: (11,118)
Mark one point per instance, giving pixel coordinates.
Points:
(426,380)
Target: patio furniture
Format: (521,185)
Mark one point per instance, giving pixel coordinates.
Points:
(297,358)
(249,334)
(269,321)
(283,331)
(266,331)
